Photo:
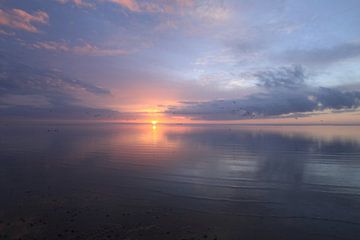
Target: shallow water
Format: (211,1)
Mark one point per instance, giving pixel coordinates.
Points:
(112,181)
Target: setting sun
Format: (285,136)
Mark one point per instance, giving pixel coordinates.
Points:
(180,119)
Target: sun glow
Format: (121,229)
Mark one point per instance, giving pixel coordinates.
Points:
(154,122)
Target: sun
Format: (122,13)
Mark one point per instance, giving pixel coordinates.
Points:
(154,122)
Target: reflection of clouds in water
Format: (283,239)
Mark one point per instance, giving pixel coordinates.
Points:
(291,155)
(233,170)
(320,133)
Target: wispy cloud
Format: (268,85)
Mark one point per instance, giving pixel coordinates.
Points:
(6,33)
(27,91)
(323,56)
(79,3)
(61,112)
(82,49)
(282,78)
(20,19)
(132,5)
(208,10)
(21,79)
(214,10)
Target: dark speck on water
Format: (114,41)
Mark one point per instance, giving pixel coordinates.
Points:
(108,181)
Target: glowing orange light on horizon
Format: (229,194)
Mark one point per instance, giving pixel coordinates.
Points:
(154,122)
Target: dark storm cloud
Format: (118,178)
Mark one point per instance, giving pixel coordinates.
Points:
(284,92)
(323,56)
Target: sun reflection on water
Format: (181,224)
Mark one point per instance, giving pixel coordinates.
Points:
(154,123)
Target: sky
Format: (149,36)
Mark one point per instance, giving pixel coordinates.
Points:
(261,61)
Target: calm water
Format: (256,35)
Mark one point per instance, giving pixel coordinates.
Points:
(105,181)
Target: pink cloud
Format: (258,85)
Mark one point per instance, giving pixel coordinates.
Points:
(51,45)
(19,19)
(79,3)
(132,5)
(88,49)
(155,6)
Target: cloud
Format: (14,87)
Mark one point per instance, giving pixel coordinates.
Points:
(79,3)
(323,56)
(19,19)
(83,49)
(20,79)
(284,91)
(209,10)
(2,32)
(24,100)
(61,112)
(131,5)
(284,77)
(156,6)
(32,92)
(212,11)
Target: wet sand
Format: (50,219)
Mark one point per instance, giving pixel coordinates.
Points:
(103,181)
